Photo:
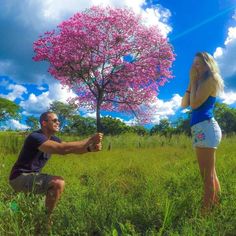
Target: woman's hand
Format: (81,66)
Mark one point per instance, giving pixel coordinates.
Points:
(193,75)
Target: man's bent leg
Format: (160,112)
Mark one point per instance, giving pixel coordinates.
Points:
(51,186)
(31,183)
(56,188)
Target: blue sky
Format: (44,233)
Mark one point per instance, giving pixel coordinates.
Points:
(190,25)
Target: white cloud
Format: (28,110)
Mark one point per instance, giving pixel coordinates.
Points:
(157,16)
(90,114)
(152,16)
(234,15)
(228,98)
(231,35)
(41,88)
(226,56)
(38,104)
(218,53)
(60,93)
(131,122)
(164,109)
(185,110)
(51,12)
(58,9)
(17,92)
(16,125)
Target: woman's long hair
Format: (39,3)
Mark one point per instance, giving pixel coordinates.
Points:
(213,69)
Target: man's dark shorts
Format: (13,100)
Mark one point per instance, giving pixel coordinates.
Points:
(32,182)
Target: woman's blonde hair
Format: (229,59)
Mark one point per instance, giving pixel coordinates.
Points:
(213,69)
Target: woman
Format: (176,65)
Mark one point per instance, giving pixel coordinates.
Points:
(205,83)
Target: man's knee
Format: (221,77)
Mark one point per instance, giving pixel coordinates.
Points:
(58,184)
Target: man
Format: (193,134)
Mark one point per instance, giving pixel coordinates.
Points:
(26,174)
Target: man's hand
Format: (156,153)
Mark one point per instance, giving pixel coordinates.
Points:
(95,147)
(95,143)
(97,138)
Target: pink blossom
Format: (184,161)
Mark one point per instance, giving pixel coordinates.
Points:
(87,54)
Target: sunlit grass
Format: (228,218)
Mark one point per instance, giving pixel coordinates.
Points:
(141,186)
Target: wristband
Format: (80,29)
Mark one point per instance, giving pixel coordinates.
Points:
(187,91)
(89,149)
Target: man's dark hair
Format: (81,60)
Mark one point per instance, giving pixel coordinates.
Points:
(44,116)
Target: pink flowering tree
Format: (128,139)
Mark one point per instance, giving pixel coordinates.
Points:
(109,58)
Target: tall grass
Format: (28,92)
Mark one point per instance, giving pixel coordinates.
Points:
(135,186)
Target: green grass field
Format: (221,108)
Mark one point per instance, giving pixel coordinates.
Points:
(142,186)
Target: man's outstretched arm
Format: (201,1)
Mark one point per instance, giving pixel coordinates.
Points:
(92,144)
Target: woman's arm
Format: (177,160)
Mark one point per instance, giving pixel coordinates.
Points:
(200,91)
(185,102)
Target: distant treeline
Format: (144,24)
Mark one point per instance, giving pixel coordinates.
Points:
(74,124)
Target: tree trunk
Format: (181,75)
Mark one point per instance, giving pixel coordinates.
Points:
(99,125)
(98,113)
